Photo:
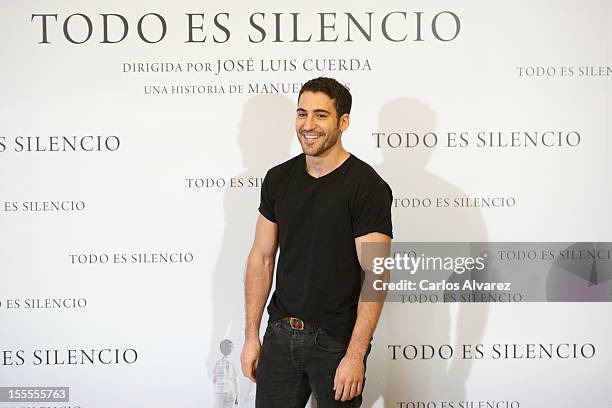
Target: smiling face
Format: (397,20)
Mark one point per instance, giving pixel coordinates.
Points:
(317,124)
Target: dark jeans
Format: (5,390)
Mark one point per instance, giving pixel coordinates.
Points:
(295,363)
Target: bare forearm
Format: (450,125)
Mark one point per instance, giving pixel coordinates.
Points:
(257,284)
(368,314)
(371,300)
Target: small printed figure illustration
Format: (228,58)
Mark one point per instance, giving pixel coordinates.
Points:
(225,378)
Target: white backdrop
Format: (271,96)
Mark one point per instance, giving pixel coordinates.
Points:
(138,244)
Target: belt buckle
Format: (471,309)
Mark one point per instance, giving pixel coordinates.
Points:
(296,323)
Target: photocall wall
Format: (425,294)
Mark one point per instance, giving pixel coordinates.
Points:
(133,143)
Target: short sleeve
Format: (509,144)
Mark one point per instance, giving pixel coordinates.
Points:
(266,204)
(372,208)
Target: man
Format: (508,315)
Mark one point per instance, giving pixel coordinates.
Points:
(319,207)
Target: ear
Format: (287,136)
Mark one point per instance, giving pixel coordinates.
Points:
(343,122)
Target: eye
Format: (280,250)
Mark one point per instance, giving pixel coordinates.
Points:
(322,116)
(301,115)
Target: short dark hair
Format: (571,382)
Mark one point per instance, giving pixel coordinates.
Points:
(226,346)
(332,88)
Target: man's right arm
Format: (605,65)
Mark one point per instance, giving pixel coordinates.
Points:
(257,285)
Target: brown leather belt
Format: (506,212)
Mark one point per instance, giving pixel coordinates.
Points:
(297,324)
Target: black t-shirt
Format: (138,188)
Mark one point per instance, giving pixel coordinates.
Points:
(318,277)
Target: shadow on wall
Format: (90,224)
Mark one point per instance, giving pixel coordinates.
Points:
(435,324)
(265,136)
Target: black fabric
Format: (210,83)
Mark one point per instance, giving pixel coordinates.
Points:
(318,277)
(294,364)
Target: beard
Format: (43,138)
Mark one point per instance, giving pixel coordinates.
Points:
(322,144)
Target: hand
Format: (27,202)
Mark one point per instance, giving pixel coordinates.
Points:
(249,358)
(348,382)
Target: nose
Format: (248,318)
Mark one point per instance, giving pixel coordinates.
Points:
(309,122)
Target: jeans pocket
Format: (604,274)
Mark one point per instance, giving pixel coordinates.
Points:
(270,329)
(330,342)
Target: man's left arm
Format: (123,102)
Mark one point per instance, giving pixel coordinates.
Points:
(348,382)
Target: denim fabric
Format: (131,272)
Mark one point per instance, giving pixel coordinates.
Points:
(294,363)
